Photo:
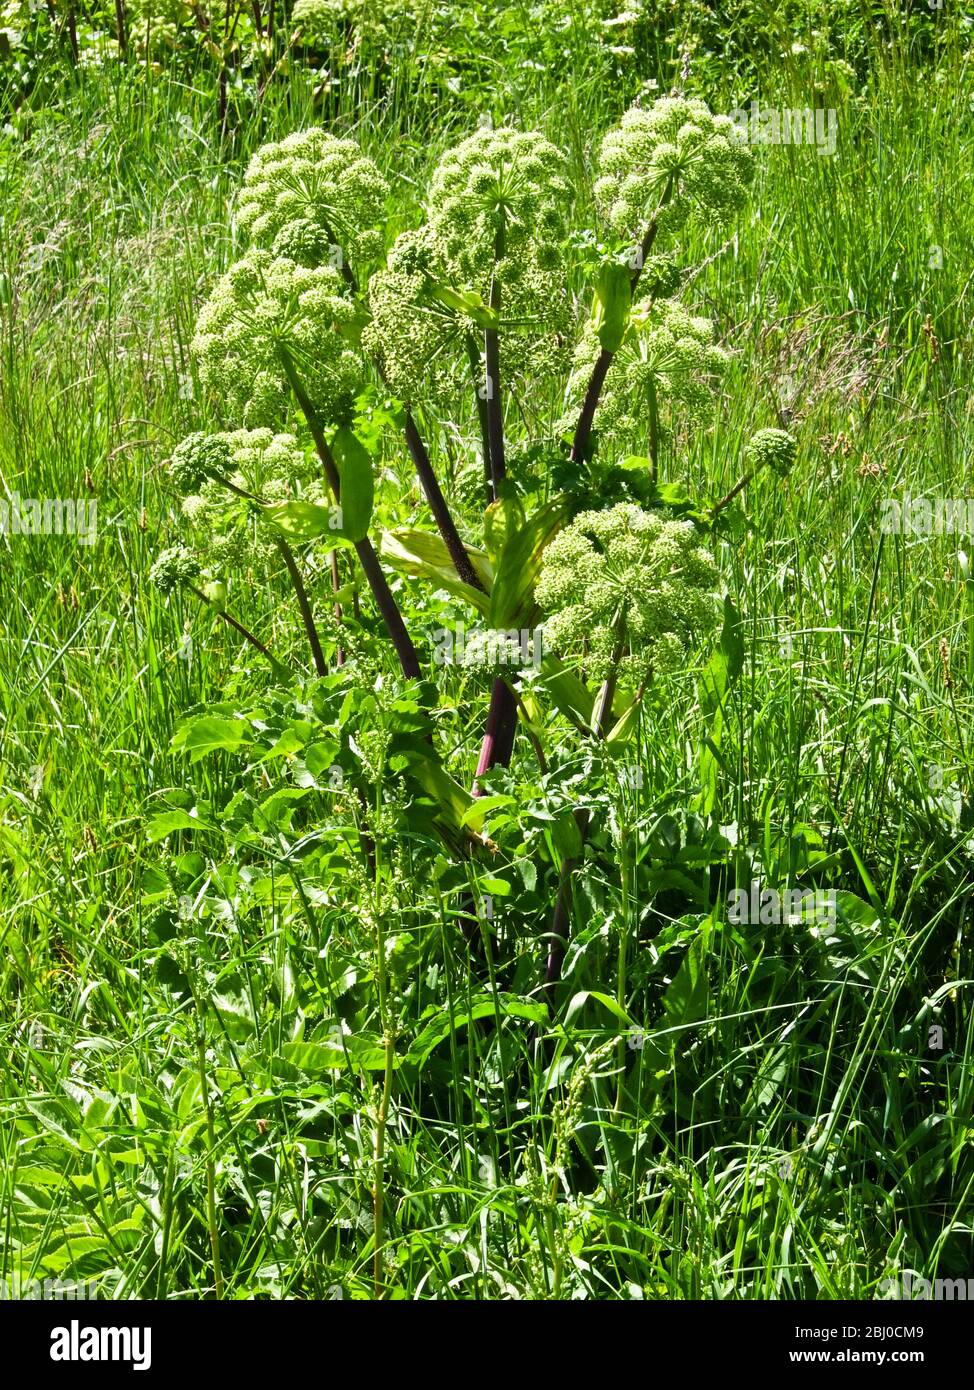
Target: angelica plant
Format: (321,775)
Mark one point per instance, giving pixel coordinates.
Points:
(232,481)
(464,312)
(314,198)
(276,331)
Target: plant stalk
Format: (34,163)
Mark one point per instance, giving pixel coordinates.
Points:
(385,601)
(603,362)
(301,593)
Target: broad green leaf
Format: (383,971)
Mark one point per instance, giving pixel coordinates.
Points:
(480,806)
(307,521)
(502,520)
(570,696)
(357,483)
(171,821)
(440,1028)
(425,556)
(211,734)
(360,1053)
(460,810)
(607,1002)
(625,727)
(688,994)
(512,602)
(278,809)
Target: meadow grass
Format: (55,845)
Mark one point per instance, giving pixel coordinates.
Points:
(809,1137)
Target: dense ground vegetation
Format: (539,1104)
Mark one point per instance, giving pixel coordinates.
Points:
(273,981)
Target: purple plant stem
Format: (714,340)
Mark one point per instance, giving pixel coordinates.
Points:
(604,360)
(384,599)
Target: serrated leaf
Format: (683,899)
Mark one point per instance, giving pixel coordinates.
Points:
(211,734)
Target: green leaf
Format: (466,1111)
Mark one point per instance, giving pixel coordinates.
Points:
(570,695)
(307,521)
(171,974)
(360,1053)
(625,727)
(210,734)
(607,1002)
(512,602)
(687,996)
(171,821)
(480,806)
(465,302)
(425,556)
(357,483)
(613,300)
(440,1027)
(502,520)
(277,810)
(459,809)
(566,835)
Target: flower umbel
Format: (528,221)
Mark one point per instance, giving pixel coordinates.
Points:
(264,307)
(174,568)
(668,362)
(326,185)
(676,145)
(197,458)
(630,578)
(774,449)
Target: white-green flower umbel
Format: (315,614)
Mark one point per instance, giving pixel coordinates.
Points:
(499,190)
(676,148)
(228,529)
(198,458)
(315,192)
(267,309)
(495,219)
(420,345)
(774,449)
(627,582)
(668,364)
